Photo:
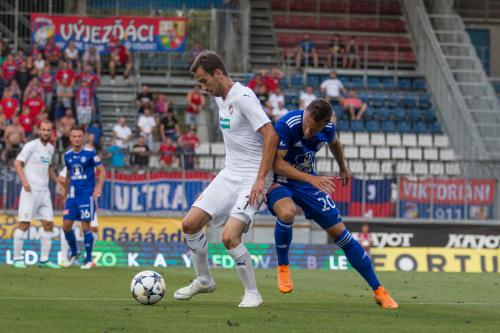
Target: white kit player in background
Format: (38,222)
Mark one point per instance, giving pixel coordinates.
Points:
(239,189)
(94,224)
(33,166)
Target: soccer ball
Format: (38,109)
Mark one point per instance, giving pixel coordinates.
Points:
(148,287)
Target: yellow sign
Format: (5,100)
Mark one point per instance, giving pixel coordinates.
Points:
(115,228)
(436,259)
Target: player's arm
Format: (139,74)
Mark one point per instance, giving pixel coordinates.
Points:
(100,181)
(284,168)
(21,159)
(338,152)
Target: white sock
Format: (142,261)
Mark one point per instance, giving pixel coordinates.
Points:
(197,244)
(46,244)
(64,246)
(244,267)
(19,237)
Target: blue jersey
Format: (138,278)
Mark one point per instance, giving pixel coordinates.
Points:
(301,152)
(81,167)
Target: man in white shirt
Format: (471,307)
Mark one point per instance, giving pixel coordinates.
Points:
(333,88)
(306,97)
(122,133)
(238,190)
(279,111)
(146,123)
(33,166)
(275,98)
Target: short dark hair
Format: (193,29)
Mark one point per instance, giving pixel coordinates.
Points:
(320,110)
(78,128)
(209,61)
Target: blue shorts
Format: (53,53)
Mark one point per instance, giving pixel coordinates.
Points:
(317,205)
(80,209)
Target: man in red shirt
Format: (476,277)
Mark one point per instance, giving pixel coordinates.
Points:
(35,104)
(66,74)
(26,121)
(10,105)
(88,76)
(9,68)
(189,139)
(167,152)
(120,57)
(52,52)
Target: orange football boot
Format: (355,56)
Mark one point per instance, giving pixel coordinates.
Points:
(384,299)
(285,283)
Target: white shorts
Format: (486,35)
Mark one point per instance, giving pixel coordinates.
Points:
(227,196)
(35,205)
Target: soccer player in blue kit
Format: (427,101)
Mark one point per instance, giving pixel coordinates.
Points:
(302,134)
(82,193)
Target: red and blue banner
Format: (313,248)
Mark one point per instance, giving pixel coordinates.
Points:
(147,34)
(447,198)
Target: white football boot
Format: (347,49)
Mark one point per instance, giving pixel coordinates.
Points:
(193,289)
(251,300)
(88,265)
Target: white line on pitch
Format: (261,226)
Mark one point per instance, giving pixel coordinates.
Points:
(208,300)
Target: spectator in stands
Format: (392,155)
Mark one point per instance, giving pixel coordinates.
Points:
(89,76)
(9,104)
(117,155)
(120,57)
(34,87)
(272,79)
(52,52)
(96,130)
(354,106)
(35,104)
(39,64)
(275,98)
(279,111)
(2,83)
(47,81)
(16,92)
(306,97)
(13,137)
(65,124)
(185,152)
(144,99)
(72,55)
(140,153)
(333,89)
(351,59)
(122,133)
(145,124)
(84,100)
(263,95)
(64,96)
(306,50)
(20,58)
(160,104)
(195,102)
(156,133)
(9,68)
(365,238)
(167,152)
(189,139)
(170,126)
(193,53)
(91,57)
(23,77)
(26,122)
(3,125)
(336,52)
(255,83)
(65,75)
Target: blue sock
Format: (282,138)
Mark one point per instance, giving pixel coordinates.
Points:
(71,239)
(358,258)
(88,241)
(283,234)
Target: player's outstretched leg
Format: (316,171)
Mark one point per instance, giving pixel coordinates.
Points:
(19,237)
(231,238)
(46,245)
(197,243)
(71,239)
(360,260)
(283,207)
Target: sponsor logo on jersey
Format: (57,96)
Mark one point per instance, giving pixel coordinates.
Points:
(44,159)
(225,123)
(77,172)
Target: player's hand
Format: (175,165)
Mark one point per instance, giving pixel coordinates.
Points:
(345,175)
(96,194)
(27,187)
(258,192)
(323,183)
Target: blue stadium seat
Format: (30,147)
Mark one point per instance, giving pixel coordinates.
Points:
(373,126)
(382,114)
(419,84)
(399,114)
(343,125)
(357,125)
(404,127)
(369,114)
(415,115)
(436,128)
(389,83)
(364,95)
(393,100)
(429,116)
(313,80)
(284,82)
(373,82)
(297,81)
(357,82)
(404,83)
(341,114)
(377,99)
(424,101)
(389,126)
(408,101)
(421,127)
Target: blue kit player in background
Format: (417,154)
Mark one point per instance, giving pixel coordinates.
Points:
(82,193)
(302,134)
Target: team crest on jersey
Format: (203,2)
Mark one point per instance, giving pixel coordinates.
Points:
(84,159)
(231,110)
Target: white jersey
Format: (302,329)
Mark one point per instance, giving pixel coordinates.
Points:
(37,158)
(332,87)
(240,117)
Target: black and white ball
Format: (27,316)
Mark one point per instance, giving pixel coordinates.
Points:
(148,287)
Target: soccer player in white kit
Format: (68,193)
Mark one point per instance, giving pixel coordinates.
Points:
(238,190)
(33,166)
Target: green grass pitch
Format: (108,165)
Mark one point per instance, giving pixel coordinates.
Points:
(71,300)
